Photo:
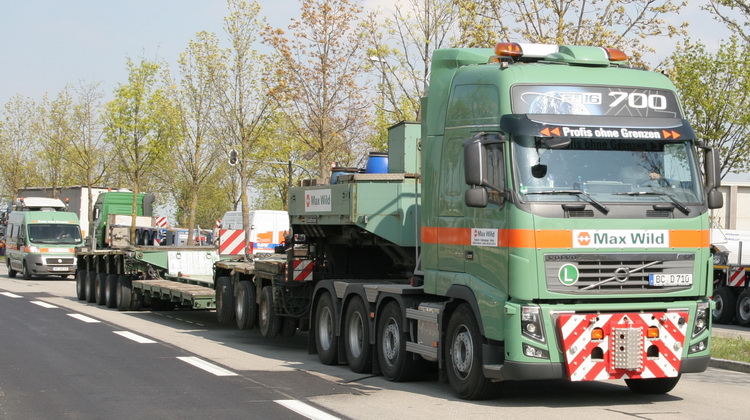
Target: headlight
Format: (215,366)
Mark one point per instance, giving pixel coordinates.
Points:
(531,323)
(701,318)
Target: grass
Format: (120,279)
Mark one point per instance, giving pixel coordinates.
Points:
(735,349)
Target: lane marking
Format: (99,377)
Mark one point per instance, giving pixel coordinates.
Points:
(44,304)
(306,410)
(11,295)
(208,367)
(84,318)
(135,337)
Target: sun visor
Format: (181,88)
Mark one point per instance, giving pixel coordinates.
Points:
(597,127)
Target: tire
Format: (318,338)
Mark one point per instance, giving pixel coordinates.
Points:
(124,293)
(326,340)
(396,364)
(100,286)
(268,322)
(289,326)
(725,305)
(81,284)
(91,286)
(357,337)
(743,308)
(224,299)
(463,356)
(110,291)
(11,272)
(653,385)
(25,272)
(245,309)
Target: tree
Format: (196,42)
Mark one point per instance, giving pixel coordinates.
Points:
(317,80)
(623,24)
(715,90)
(739,27)
(54,126)
(17,145)
(142,124)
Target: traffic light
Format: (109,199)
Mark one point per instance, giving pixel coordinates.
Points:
(232,157)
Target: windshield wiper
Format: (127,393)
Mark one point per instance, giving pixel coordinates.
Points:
(583,195)
(674,201)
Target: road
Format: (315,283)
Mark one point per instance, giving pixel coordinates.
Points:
(62,358)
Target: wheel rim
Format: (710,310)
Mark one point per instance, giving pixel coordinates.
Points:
(264,315)
(743,308)
(356,334)
(391,341)
(325,328)
(239,307)
(462,353)
(719,306)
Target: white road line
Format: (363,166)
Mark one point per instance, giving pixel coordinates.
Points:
(305,410)
(11,295)
(208,367)
(84,318)
(44,304)
(135,337)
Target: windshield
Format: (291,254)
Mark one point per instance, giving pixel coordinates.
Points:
(613,170)
(54,234)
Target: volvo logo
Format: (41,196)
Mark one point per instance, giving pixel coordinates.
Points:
(622,274)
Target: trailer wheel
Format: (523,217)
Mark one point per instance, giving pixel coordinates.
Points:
(91,286)
(725,305)
(224,299)
(124,293)
(743,308)
(326,341)
(397,365)
(11,272)
(101,288)
(357,337)
(81,284)
(652,385)
(110,291)
(463,356)
(245,309)
(289,326)
(268,322)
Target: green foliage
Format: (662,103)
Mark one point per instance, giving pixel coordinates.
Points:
(17,146)
(735,349)
(715,90)
(726,10)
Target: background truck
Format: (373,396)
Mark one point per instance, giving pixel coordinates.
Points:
(76,198)
(731,294)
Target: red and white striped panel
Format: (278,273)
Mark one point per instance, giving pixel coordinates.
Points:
(578,346)
(303,270)
(160,221)
(232,242)
(736,277)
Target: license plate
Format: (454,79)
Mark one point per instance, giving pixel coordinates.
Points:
(670,279)
(60,269)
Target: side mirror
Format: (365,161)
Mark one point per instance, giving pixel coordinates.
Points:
(712,170)
(715,199)
(479,170)
(476,197)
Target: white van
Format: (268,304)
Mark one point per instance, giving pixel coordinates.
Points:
(267,227)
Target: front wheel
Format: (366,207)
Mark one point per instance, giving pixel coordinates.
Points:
(652,385)
(326,340)
(743,308)
(397,365)
(725,305)
(463,356)
(357,337)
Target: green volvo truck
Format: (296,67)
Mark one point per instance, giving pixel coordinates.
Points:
(548,218)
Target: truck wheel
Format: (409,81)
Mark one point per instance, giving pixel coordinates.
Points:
(289,326)
(268,322)
(743,308)
(11,272)
(110,291)
(101,286)
(725,305)
(326,341)
(463,356)
(397,365)
(224,299)
(124,293)
(357,337)
(81,284)
(652,385)
(91,286)
(245,309)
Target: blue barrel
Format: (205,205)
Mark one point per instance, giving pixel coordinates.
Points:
(336,171)
(377,163)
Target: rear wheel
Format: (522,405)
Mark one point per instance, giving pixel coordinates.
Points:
(268,322)
(81,284)
(326,341)
(725,305)
(11,272)
(397,365)
(357,337)
(246,311)
(91,286)
(743,308)
(652,385)
(110,291)
(463,356)
(224,299)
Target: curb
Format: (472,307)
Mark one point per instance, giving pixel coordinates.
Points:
(730,365)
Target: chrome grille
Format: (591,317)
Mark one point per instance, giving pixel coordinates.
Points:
(629,273)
